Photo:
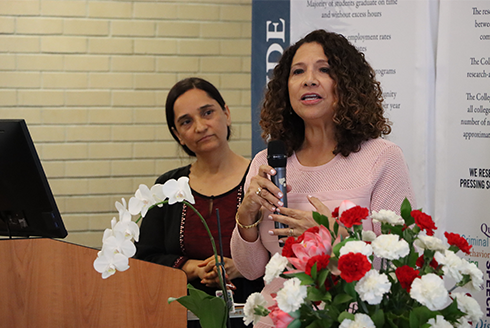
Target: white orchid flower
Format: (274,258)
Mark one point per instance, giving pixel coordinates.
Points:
(158,193)
(128,229)
(107,263)
(124,214)
(117,243)
(142,201)
(108,232)
(178,190)
(125,225)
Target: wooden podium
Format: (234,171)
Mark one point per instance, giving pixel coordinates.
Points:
(51,283)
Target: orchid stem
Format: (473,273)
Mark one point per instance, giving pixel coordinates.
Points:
(213,244)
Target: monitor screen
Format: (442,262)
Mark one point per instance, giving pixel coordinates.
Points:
(27,205)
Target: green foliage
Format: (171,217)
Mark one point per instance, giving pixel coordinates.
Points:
(331,299)
(210,310)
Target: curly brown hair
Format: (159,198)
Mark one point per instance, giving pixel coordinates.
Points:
(359,113)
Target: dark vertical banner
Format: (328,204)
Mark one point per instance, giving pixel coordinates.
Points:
(270,36)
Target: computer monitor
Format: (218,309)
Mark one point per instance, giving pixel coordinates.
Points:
(27,205)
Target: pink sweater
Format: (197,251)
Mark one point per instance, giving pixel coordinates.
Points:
(376,177)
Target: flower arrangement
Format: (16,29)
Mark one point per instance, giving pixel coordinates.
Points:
(118,246)
(396,279)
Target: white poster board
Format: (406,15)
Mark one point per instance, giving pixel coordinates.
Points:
(463,130)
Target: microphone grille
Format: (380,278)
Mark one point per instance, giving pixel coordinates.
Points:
(276,153)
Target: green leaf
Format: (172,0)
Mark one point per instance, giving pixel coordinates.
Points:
(314,294)
(349,288)
(420,315)
(378,318)
(296,323)
(321,219)
(322,277)
(305,279)
(337,247)
(341,299)
(345,315)
(336,228)
(451,312)
(313,271)
(210,310)
(405,210)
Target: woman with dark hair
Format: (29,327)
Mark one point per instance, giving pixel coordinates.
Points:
(324,103)
(199,120)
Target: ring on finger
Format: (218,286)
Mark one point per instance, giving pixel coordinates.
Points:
(291,230)
(258,191)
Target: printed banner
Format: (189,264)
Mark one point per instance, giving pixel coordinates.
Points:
(463,131)
(270,36)
(398,41)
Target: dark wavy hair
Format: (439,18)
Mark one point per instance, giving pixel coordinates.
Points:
(178,90)
(358,113)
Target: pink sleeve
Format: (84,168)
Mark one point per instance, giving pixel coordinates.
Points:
(393,182)
(250,257)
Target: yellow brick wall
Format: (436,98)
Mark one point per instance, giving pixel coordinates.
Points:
(91,78)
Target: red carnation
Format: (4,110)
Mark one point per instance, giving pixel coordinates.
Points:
(321,263)
(287,251)
(424,222)
(406,275)
(335,212)
(458,241)
(354,216)
(353,266)
(420,262)
(315,229)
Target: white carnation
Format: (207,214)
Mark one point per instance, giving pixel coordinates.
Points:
(476,275)
(390,247)
(430,242)
(462,323)
(356,246)
(452,264)
(429,290)
(387,216)
(275,267)
(368,235)
(361,320)
(439,322)
(469,306)
(372,287)
(254,300)
(291,296)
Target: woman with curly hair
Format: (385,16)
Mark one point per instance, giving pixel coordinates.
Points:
(325,104)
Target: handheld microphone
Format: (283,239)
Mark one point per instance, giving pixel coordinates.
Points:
(276,157)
